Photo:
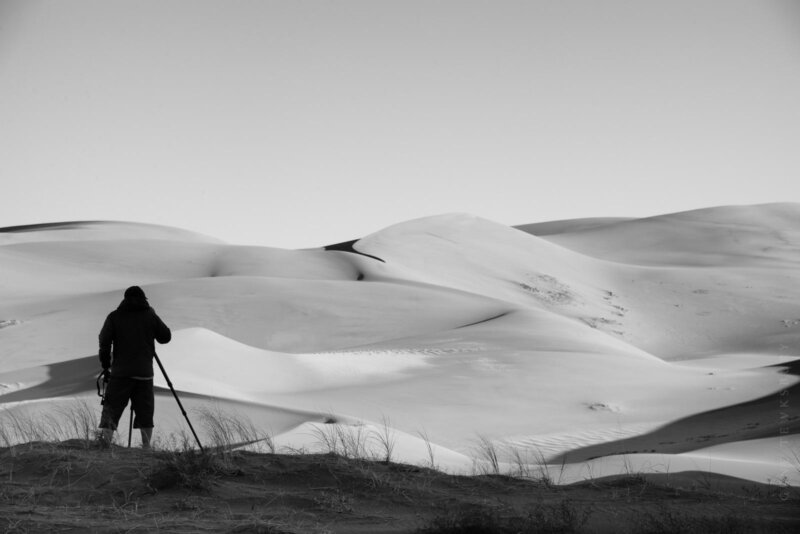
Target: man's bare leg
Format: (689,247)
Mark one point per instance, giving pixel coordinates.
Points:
(147,434)
(106,435)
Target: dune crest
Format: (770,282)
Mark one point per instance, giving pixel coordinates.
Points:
(97,230)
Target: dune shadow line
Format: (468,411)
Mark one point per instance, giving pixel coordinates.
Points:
(67,225)
(498,316)
(69,378)
(349,246)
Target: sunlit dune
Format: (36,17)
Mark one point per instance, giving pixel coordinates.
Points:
(665,340)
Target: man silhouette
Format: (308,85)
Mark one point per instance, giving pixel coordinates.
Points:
(126,354)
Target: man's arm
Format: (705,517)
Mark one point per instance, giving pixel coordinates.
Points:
(106,339)
(162,331)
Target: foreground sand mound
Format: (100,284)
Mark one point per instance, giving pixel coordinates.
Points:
(182,491)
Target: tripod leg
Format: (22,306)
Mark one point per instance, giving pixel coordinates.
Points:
(169,383)
(130,428)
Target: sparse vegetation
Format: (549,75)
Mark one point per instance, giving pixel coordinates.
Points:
(73,420)
(53,484)
(348,441)
(190,469)
(423,434)
(487,455)
(227,431)
(386,439)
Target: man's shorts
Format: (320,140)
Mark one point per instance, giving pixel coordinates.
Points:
(118,392)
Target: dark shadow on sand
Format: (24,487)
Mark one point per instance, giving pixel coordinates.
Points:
(69,225)
(66,379)
(771,416)
(349,246)
(498,316)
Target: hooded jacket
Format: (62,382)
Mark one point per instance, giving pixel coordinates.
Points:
(131,330)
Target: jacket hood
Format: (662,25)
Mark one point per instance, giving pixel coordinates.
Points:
(133,304)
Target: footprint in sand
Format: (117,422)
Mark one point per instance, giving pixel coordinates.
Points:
(603,407)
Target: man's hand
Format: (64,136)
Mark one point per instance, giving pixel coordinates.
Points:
(106,374)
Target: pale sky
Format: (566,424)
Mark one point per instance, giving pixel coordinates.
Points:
(303,123)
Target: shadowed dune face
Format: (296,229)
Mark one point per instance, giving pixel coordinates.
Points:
(48,226)
(740,422)
(61,379)
(580,340)
(568,226)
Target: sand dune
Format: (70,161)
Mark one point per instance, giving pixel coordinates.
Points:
(665,339)
(723,236)
(97,231)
